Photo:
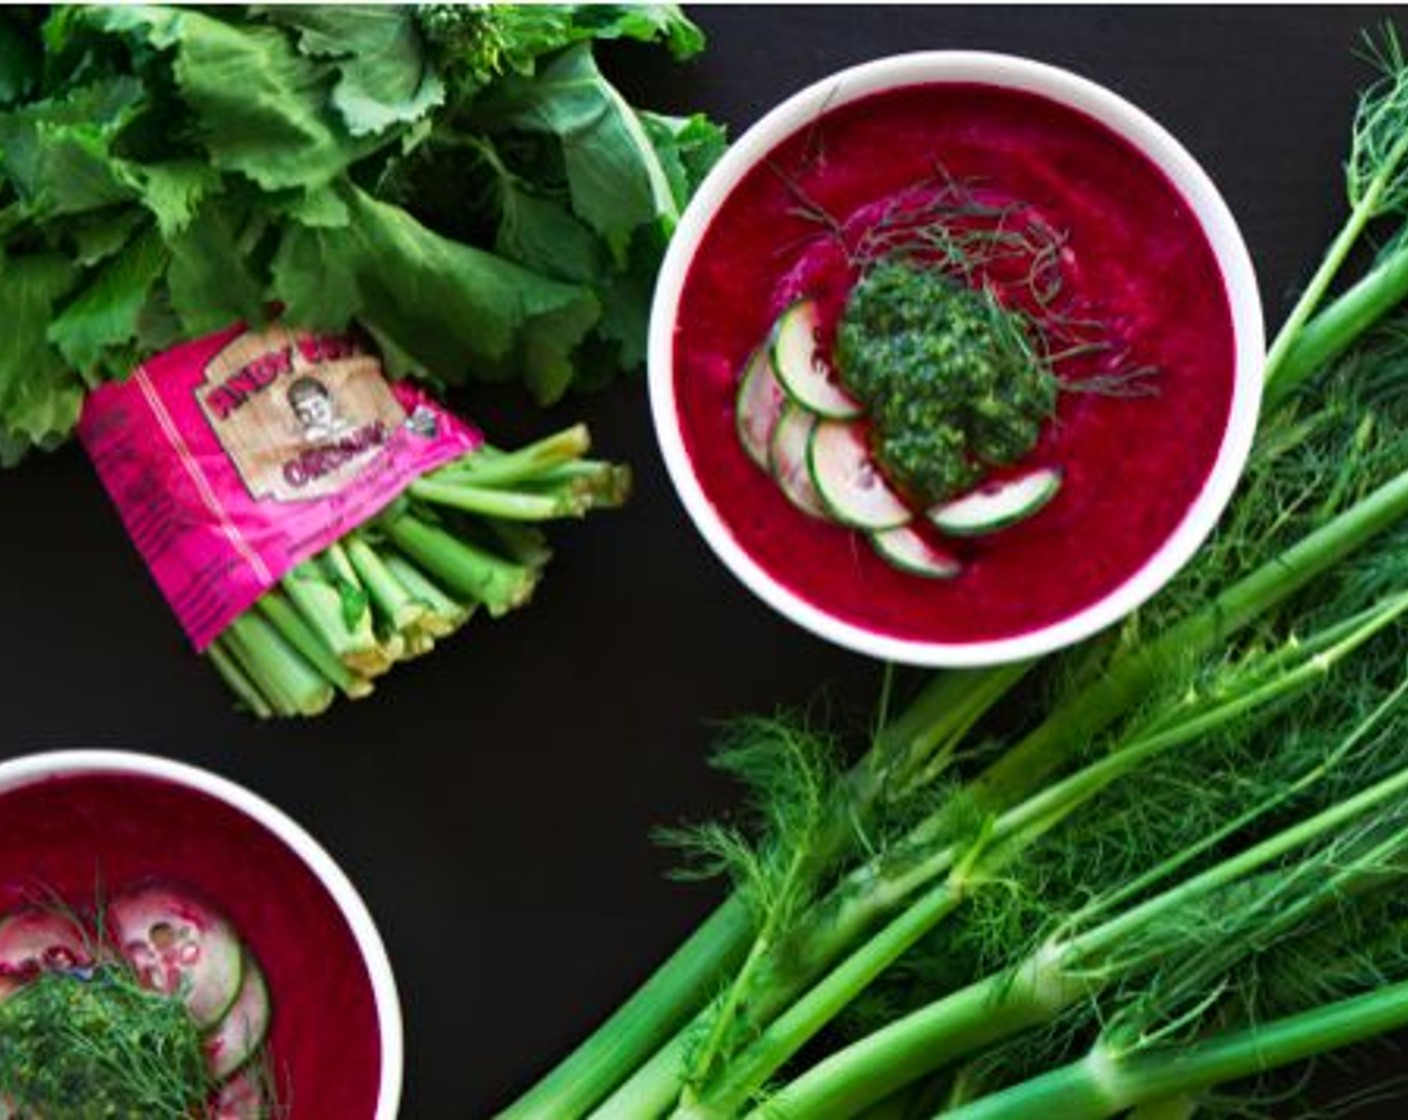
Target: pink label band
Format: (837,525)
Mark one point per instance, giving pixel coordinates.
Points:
(235,457)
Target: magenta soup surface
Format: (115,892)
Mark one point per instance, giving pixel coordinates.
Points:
(82,834)
(1132,467)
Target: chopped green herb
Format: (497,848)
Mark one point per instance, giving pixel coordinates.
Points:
(954,381)
(98,1046)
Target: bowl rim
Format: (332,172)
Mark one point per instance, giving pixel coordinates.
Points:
(1107,108)
(25,770)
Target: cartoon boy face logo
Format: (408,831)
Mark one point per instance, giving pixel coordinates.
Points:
(314,409)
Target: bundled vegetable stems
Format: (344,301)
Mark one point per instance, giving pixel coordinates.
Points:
(461,538)
(1177,864)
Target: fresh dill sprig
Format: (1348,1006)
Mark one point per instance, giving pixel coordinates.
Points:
(96,1045)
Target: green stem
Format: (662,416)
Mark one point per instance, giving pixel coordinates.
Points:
(701,1065)
(883,1063)
(804,1018)
(291,684)
(1114,930)
(323,607)
(1059,799)
(604,484)
(1340,325)
(292,627)
(526,463)
(658,1007)
(1335,256)
(237,680)
(466,570)
(512,505)
(443,615)
(390,598)
(1104,1084)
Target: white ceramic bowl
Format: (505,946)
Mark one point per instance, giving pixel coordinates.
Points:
(130,801)
(1116,114)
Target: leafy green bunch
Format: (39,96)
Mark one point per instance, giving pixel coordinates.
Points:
(952,379)
(465,185)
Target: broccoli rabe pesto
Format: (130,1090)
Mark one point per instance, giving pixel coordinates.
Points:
(954,381)
(97,1046)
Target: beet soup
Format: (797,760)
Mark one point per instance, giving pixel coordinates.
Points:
(1132,249)
(85,835)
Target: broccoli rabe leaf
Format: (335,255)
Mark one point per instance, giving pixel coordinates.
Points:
(384,76)
(40,397)
(614,175)
(105,311)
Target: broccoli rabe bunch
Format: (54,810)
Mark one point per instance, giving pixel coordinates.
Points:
(954,381)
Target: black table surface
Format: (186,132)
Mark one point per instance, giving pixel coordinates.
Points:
(494,803)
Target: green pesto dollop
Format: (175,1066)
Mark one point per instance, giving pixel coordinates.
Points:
(952,379)
(98,1046)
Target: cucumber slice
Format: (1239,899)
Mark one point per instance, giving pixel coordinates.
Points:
(906,550)
(852,487)
(802,368)
(759,406)
(242,1097)
(787,458)
(244,1027)
(997,505)
(34,939)
(181,947)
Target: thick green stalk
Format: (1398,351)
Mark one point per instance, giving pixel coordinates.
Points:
(983,1013)
(604,484)
(526,463)
(1341,325)
(280,614)
(1104,1084)
(291,684)
(237,680)
(466,570)
(636,1029)
(322,606)
(801,1021)
(488,501)
(390,598)
(1310,299)
(443,615)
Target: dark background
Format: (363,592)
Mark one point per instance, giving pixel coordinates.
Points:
(494,802)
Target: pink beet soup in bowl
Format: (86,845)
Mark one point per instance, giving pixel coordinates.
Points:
(79,826)
(1143,241)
